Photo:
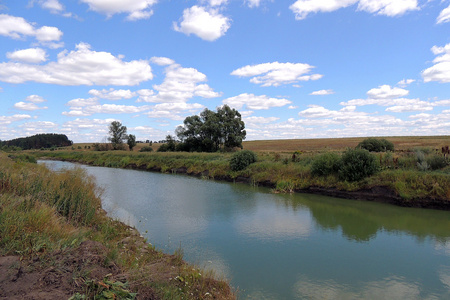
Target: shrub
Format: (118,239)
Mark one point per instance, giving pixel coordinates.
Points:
(376,145)
(242,159)
(436,162)
(146,149)
(357,164)
(326,164)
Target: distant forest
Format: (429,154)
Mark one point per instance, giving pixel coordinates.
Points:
(45,140)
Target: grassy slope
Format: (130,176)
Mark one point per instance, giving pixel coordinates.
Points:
(42,212)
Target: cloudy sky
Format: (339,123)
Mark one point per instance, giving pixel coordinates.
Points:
(294,69)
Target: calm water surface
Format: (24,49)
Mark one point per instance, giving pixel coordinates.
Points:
(273,246)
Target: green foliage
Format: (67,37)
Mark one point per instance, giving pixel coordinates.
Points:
(376,145)
(242,159)
(131,141)
(326,164)
(118,133)
(146,149)
(357,164)
(45,140)
(170,145)
(106,289)
(212,131)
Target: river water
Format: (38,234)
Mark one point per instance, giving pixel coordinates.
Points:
(276,246)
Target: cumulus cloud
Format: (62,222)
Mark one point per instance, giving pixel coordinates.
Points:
(252,101)
(112,94)
(253,3)
(136,9)
(405,82)
(322,93)
(206,23)
(173,111)
(276,74)
(31,55)
(391,8)
(440,71)
(444,16)
(6,120)
(387,92)
(17,28)
(105,109)
(80,102)
(79,67)
(179,85)
(30,103)
(162,61)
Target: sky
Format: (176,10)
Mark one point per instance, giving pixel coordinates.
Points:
(294,69)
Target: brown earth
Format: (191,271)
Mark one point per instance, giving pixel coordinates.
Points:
(62,274)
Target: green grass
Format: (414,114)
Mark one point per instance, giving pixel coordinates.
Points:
(42,212)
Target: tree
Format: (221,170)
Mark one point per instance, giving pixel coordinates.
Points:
(118,133)
(131,141)
(212,131)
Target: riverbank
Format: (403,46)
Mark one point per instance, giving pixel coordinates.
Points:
(404,187)
(57,243)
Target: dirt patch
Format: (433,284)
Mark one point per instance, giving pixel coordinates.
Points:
(58,275)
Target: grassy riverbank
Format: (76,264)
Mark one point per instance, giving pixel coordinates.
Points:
(56,240)
(399,180)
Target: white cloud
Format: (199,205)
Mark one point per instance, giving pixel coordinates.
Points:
(105,109)
(440,71)
(322,93)
(30,103)
(174,110)
(276,74)
(31,55)
(259,120)
(387,92)
(80,67)
(444,16)
(391,8)
(253,3)
(112,94)
(255,102)
(207,24)
(17,27)
(80,102)
(27,106)
(215,2)
(162,61)
(405,82)
(136,9)
(179,85)
(6,120)
(388,8)
(302,8)
(31,128)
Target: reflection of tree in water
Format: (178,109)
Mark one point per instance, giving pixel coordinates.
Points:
(360,221)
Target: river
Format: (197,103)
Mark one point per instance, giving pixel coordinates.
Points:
(277,246)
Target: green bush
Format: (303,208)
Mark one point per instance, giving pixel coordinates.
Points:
(146,149)
(436,162)
(242,159)
(376,145)
(326,164)
(357,164)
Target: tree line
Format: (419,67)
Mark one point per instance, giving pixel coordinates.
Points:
(38,141)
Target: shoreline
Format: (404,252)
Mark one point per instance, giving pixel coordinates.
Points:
(378,193)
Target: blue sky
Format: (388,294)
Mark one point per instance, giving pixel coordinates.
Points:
(294,69)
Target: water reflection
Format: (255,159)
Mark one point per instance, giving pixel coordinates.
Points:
(388,288)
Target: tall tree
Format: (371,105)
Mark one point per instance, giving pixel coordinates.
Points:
(131,141)
(212,131)
(118,133)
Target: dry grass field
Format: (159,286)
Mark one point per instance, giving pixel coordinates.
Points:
(404,143)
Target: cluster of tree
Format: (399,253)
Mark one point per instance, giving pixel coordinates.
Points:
(45,140)
(118,135)
(209,132)
(376,145)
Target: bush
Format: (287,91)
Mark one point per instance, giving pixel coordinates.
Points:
(376,145)
(146,149)
(357,164)
(242,159)
(436,162)
(326,164)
